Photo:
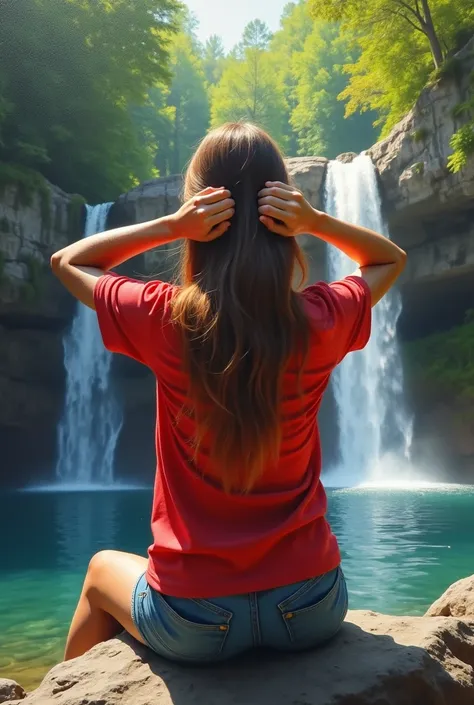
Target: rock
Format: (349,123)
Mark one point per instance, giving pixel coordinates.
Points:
(457,601)
(308,173)
(375,660)
(10,690)
(34,223)
(346,157)
(412,160)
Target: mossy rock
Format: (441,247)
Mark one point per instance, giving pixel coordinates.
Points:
(445,360)
(27,293)
(75,214)
(28,183)
(36,273)
(420,135)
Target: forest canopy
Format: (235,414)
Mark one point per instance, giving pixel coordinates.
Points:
(97,95)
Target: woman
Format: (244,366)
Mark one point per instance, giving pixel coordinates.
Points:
(242,555)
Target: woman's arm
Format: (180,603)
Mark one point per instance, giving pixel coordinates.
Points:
(286,212)
(78,266)
(380,260)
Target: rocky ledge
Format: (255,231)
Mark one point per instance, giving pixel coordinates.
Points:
(375,660)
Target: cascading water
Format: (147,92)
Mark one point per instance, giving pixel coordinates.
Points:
(375,430)
(91,422)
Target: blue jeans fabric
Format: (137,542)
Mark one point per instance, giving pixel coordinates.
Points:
(291,618)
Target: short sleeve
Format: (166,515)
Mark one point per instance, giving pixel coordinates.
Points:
(342,311)
(131,314)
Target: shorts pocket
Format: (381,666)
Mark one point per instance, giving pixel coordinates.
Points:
(315,612)
(184,629)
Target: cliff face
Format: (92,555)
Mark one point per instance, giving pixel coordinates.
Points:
(430,212)
(34,310)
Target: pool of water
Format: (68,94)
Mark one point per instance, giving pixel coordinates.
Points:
(401,549)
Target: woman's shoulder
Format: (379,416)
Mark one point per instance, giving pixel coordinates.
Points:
(330,303)
(318,304)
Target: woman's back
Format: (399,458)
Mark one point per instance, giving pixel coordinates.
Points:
(207,541)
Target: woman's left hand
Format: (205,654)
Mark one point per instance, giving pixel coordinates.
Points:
(204,217)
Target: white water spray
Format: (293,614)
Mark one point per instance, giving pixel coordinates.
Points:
(91,422)
(375,430)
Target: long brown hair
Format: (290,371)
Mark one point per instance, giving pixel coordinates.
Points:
(240,317)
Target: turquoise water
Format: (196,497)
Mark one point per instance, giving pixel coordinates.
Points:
(401,549)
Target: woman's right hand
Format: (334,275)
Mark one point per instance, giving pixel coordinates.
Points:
(285,211)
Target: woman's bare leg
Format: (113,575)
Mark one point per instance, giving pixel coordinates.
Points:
(103,609)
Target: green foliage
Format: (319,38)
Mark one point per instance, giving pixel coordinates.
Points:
(36,276)
(75,213)
(289,84)
(418,168)
(462,144)
(318,117)
(213,59)
(175,118)
(27,293)
(420,135)
(256,36)
(399,43)
(248,90)
(188,100)
(451,70)
(2,266)
(70,70)
(4,225)
(445,359)
(28,183)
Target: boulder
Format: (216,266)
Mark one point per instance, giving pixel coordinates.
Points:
(10,690)
(457,601)
(375,660)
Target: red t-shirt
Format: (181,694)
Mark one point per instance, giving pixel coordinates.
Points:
(205,542)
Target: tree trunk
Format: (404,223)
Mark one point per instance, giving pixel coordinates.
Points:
(430,31)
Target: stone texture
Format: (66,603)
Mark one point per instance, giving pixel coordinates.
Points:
(308,173)
(375,660)
(34,310)
(9,691)
(29,233)
(457,601)
(412,160)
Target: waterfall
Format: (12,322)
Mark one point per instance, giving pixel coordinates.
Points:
(91,421)
(375,430)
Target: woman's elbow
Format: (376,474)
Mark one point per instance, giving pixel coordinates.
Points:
(402,259)
(57,261)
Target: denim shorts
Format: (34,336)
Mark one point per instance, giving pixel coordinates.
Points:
(291,618)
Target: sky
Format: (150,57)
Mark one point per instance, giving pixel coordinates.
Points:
(227,18)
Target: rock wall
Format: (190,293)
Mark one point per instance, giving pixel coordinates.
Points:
(429,210)
(34,309)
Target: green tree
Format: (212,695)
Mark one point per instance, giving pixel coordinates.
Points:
(256,35)
(70,70)
(296,24)
(249,90)
(213,59)
(416,14)
(317,116)
(399,43)
(189,99)
(175,117)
